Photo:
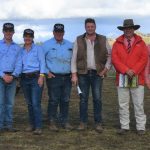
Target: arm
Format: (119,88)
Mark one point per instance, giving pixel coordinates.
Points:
(108,63)
(147,70)
(119,66)
(18,64)
(74,64)
(140,65)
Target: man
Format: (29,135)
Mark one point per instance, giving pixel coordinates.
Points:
(90,63)
(129,57)
(58,53)
(9,52)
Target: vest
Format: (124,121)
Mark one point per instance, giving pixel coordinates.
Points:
(100,53)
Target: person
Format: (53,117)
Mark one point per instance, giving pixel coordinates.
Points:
(147,70)
(129,57)
(58,53)
(9,52)
(90,62)
(32,79)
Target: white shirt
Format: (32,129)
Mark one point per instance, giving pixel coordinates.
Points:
(90,56)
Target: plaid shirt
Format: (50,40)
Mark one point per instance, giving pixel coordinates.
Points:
(147,69)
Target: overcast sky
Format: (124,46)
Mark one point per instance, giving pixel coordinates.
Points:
(36,13)
(41,9)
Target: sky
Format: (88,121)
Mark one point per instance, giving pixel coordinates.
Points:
(41,15)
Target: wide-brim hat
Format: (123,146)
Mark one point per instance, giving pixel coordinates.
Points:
(128,23)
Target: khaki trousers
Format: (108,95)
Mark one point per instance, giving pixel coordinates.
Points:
(137,95)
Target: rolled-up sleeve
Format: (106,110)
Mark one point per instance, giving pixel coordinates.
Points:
(74,58)
(108,63)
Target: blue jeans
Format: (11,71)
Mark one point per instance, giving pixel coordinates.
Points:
(33,94)
(95,81)
(7,95)
(59,89)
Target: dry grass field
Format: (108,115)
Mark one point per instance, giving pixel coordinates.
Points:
(75,140)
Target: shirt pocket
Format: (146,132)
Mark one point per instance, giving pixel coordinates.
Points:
(52,54)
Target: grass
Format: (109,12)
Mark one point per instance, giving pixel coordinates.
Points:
(74,140)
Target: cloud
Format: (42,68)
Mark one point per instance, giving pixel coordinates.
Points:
(44,9)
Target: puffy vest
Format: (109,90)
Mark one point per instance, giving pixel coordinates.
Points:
(100,53)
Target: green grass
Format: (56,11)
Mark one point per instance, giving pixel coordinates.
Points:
(74,140)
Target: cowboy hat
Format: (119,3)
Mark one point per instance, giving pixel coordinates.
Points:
(128,23)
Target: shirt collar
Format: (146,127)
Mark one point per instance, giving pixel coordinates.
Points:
(62,43)
(30,47)
(3,40)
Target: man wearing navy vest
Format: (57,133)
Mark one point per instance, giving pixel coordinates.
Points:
(90,62)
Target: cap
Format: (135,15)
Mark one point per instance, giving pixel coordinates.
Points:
(58,27)
(8,27)
(28,32)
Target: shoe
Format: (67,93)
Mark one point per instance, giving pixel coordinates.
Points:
(29,129)
(53,127)
(99,128)
(82,127)
(140,132)
(12,129)
(37,132)
(68,127)
(122,131)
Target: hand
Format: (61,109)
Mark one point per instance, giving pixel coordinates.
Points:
(40,81)
(50,75)
(8,78)
(103,72)
(148,85)
(130,73)
(74,78)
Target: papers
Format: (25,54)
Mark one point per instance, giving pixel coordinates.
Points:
(126,81)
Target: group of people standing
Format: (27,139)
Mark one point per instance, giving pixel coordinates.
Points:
(62,63)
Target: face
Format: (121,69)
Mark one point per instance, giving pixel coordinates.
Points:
(90,28)
(58,36)
(128,32)
(28,39)
(8,34)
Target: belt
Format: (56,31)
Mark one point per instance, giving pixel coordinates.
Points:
(30,74)
(61,74)
(91,71)
(8,73)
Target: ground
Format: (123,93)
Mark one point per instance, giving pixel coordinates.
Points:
(75,140)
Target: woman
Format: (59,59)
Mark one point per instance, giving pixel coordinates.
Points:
(32,79)
(147,70)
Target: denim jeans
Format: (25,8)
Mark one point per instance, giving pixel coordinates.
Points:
(95,82)
(33,94)
(7,95)
(59,89)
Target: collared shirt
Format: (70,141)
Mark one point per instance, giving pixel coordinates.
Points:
(9,54)
(33,59)
(131,42)
(58,56)
(90,56)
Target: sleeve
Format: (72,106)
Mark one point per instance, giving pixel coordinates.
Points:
(45,50)
(108,63)
(140,65)
(147,71)
(119,66)
(74,58)
(2,74)
(18,64)
(41,58)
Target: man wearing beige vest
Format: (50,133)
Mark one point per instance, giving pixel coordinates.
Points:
(90,62)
